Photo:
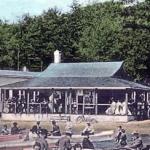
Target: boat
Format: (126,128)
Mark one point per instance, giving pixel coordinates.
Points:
(18,142)
(102,136)
(10,137)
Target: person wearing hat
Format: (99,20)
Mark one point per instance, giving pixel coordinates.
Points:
(137,143)
(88,130)
(56,129)
(15,129)
(64,142)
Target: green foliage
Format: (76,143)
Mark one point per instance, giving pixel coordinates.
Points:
(99,32)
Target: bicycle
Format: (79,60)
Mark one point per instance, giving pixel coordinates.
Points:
(82,118)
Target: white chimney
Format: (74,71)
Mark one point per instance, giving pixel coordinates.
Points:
(24,69)
(57,56)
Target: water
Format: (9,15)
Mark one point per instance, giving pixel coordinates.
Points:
(110,145)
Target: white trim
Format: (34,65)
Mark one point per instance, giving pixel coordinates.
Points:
(122,88)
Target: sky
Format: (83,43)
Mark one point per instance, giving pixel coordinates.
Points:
(12,10)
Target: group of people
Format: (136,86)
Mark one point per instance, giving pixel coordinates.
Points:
(39,135)
(40,104)
(13,130)
(117,108)
(64,143)
(121,138)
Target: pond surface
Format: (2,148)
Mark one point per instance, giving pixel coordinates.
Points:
(110,145)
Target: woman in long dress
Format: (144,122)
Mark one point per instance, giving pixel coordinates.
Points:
(119,108)
(50,103)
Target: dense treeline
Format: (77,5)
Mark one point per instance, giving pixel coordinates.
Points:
(99,32)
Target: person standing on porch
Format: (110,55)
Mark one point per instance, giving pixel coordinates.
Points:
(119,108)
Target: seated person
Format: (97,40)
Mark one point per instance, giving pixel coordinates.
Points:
(38,127)
(111,110)
(136,144)
(32,134)
(88,130)
(42,139)
(5,130)
(118,133)
(87,144)
(15,129)
(56,129)
(69,127)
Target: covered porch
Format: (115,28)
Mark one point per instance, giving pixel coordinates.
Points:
(104,102)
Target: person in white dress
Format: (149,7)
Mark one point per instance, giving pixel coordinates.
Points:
(50,103)
(112,108)
(119,108)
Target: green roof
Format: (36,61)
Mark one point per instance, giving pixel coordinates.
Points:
(79,75)
(94,69)
(77,82)
(18,74)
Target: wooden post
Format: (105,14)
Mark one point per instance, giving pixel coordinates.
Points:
(10,94)
(4,94)
(77,102)
(83,105)
(19,94)
(148,105)
(1,104)
(70,100)
(0,94)
(96,102)
(34,95)
(147,97)
(28,102)
(66,102)
(126,103)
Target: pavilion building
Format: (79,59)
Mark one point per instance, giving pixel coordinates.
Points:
(96,90)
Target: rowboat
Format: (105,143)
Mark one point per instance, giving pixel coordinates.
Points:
(102,136)
(10,137)
(18,142)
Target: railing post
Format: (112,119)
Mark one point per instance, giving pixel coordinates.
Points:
(40,108)
(28,102)
(126,103)
(96,102)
